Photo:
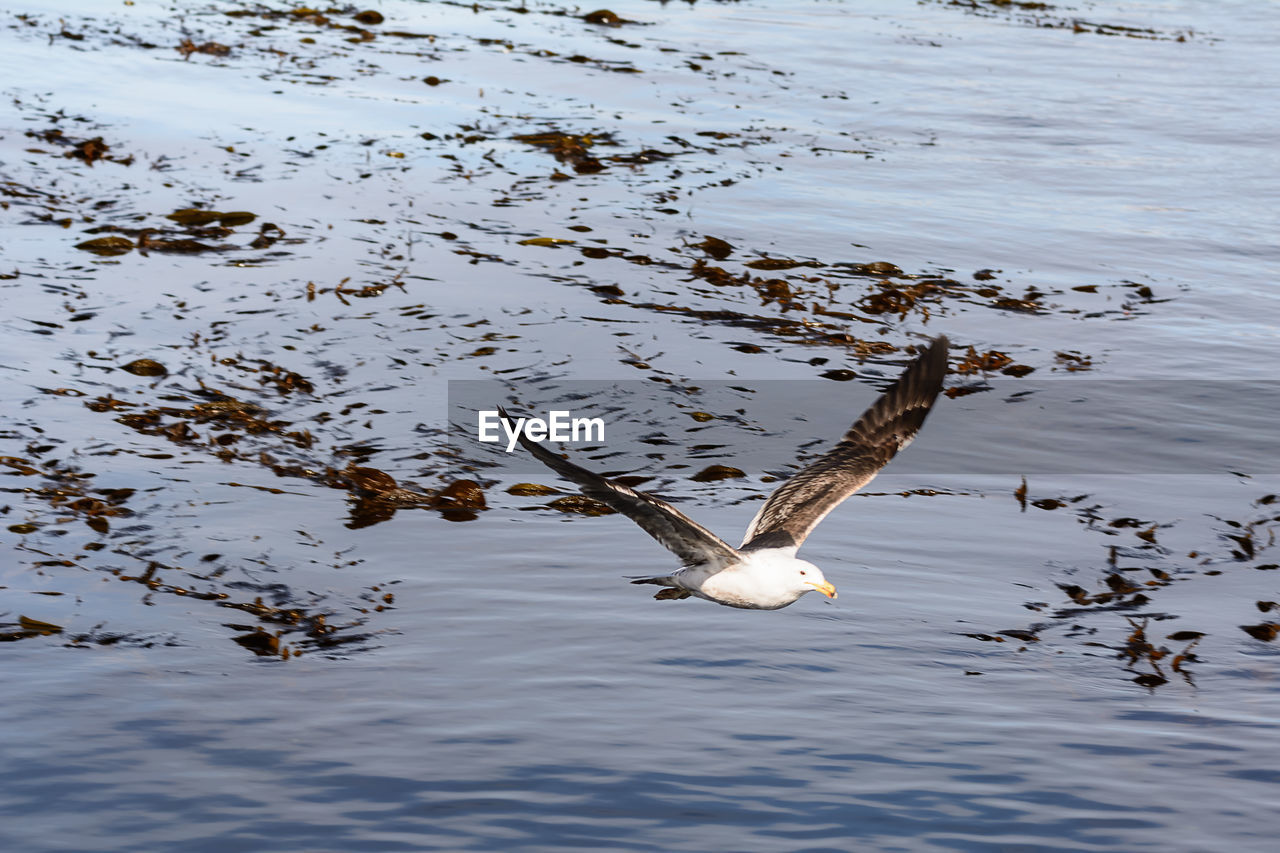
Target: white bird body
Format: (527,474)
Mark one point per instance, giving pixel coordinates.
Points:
(763,573)
(768,579)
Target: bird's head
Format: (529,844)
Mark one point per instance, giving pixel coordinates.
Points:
(809,577)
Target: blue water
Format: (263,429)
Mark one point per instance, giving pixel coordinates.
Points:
(494,683)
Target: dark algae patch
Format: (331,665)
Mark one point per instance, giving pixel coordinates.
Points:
(1063,17)
(1124,600)
(88,151)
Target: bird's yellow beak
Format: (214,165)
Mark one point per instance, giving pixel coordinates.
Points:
(825,588)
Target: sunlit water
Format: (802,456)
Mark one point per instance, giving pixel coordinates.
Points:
(495,683)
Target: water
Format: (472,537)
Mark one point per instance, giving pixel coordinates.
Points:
(1063,666)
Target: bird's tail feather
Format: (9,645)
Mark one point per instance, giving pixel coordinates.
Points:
(661,580)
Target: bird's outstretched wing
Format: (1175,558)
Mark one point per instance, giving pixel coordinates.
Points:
(679,534)
(797,506)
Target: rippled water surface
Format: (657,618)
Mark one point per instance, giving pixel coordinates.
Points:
(259,597)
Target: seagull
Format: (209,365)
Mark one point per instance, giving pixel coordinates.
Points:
(763,573)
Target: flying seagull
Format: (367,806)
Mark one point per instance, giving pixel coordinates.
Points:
(763,573)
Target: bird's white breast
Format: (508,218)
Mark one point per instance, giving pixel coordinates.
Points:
(763,580)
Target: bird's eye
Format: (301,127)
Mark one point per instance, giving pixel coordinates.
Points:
(802,573)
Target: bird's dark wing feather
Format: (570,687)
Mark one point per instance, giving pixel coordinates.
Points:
(797,506)
(682,536)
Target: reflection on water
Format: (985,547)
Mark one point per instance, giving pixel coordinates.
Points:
(259,598)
